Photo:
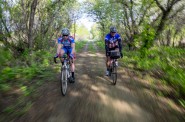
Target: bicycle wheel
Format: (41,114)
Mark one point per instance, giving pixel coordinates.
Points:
(114,73)
(63,81)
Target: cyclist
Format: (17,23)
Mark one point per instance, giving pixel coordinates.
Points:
(112,42)
(66,45)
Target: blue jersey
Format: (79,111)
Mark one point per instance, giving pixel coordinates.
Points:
(112,41)
(66,43)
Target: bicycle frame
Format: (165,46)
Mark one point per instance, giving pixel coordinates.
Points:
(65,74)
(113,71)
(66,66)
(114,55)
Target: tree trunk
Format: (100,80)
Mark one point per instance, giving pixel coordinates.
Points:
(173,42)
(74,28)
(165,12)
(31,23)
(168,36)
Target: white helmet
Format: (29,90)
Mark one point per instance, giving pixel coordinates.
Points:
(113,29)
(65,31)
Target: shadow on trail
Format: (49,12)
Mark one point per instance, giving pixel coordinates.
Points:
(92,99)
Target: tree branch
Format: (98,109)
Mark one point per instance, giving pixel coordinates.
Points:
(160,6)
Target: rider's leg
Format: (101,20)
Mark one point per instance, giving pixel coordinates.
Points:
(73,68)
(108,65)
(108,62)
(62,52)
(73,63)
(117,49)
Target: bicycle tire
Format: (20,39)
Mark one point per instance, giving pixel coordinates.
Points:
(114,73)
(63,81)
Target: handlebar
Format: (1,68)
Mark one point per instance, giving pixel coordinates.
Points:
(54,58)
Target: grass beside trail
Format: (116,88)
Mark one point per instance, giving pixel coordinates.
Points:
(164,63)
(79,45)
(21,77)
(167,64)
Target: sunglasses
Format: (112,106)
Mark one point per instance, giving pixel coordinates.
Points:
(65,35)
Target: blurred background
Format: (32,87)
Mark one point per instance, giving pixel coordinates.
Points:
(152,31)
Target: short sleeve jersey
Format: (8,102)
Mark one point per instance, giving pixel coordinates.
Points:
(112,41)
(66,43)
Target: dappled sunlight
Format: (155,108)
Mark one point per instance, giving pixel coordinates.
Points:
(78,64)
(101,78)
(90,54)
(104,98)
(100,55)
(124,77)
(118,105)
(123,89)
(148,84)
(95,97)
(83,77)
(122,106)
(75,94)
(95,88)
(81,55)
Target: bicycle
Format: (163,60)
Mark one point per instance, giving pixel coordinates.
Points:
(66,75)
(114,55)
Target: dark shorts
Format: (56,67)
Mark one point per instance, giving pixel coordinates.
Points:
(69,51)
(110,49)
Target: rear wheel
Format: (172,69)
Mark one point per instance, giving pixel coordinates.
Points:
(114,73)
(63,81)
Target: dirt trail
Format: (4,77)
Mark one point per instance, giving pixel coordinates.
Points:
(93,99)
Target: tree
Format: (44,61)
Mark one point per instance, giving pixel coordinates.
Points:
(165,13)
(31,22)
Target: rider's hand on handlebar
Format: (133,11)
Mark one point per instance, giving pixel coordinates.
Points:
(121,54)
(56,56)
(71,56)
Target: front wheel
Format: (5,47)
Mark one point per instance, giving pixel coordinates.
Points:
(63,81)
(114,74)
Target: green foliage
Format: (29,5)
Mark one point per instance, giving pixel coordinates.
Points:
(100,44)
(79,45)
(17,109)
(145,39)
(81,31)
(182,102)
(20,73)
(168,61)
(91,48)
(5,57)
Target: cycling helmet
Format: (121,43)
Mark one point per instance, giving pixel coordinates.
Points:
(113,29)
(65,32)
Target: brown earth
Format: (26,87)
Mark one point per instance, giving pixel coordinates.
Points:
(92,98)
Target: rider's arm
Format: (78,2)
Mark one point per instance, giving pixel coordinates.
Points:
(120,46)
(73,47)
(106,44)
(72,44)
(119,43)
(60,45)
(59,48)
